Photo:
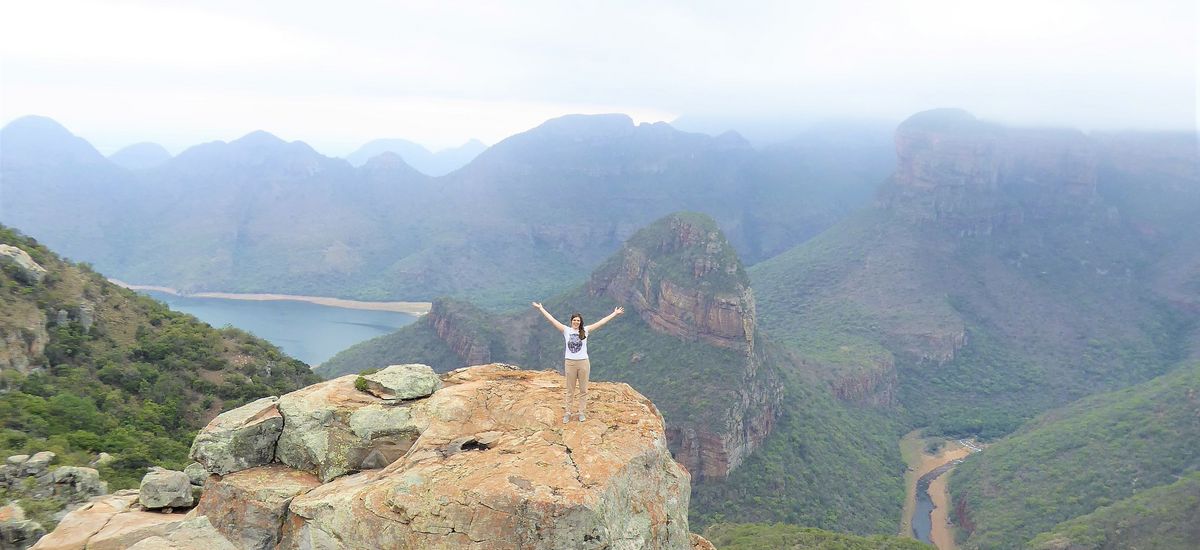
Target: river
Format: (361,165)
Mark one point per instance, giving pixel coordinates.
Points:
(307,331)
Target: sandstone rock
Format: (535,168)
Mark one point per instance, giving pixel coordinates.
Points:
(77,527)
(495,469)
(249,506)
(125,529)
(403,382)
(196,473)
(16,460)
(76,484)
(191,534)
(241,438)
(332,429)
(27,270)
(701,543)
(165,488)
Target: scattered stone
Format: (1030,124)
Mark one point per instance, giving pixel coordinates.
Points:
(16,460)
(403,382)
(165,488)
(196,473)
(242,438)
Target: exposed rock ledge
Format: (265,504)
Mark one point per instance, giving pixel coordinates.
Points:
(492,467)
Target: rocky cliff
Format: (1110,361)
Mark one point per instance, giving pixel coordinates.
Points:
(683,279)
(482,462)
(976,176)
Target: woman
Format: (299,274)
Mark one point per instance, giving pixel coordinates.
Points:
(575,364)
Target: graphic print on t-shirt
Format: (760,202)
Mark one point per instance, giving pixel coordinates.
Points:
(574,343)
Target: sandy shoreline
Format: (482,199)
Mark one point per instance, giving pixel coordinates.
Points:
(912,448)
(411,308)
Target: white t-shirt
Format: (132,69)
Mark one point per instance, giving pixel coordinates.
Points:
(576,348)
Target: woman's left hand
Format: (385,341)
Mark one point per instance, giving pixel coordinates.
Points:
(618,310)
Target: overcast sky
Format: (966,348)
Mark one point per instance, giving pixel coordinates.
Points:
(336,75)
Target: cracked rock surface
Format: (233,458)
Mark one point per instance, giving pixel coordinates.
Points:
(485,463)
(496,468)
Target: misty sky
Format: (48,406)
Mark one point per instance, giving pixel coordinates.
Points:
(439,73)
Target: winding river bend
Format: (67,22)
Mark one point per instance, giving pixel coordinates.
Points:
(922,521)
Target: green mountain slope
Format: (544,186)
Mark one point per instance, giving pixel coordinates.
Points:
(89,367)
(761,536)
(1163,517)
(1071,461)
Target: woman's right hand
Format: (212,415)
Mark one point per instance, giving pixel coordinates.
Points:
(537,305)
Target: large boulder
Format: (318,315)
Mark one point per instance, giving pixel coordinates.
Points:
(332,429)
(494,468)
(165,489)
(25,269)
(248,506)
(77,484)
(401,382)
(242,438)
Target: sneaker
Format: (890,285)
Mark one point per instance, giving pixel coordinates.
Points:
(566,418)
(582,417)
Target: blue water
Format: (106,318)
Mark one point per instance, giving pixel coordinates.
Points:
(922,520)
(309,332)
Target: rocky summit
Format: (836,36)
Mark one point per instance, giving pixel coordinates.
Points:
(482,462)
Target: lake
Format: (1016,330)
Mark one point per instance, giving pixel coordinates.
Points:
(309,332)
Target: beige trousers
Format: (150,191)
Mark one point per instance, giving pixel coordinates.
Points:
(576,370)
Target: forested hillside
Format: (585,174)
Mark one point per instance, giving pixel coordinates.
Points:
(88,367)
(1071,461)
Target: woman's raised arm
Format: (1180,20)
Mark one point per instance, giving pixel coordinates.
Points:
(615,312)
(538,306)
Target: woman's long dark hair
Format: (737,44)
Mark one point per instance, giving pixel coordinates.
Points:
(582,334)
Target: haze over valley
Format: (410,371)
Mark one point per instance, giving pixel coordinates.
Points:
(891,277)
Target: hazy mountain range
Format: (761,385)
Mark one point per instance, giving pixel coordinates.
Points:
(429,163)
(1028,286)
(531,214)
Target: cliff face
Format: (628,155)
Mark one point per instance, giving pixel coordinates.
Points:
(453,322)
(686,282)
(488,466)
(683,279)
(975,177)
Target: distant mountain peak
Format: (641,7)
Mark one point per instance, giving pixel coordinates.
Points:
(258,138)
(587,125)
(42,140)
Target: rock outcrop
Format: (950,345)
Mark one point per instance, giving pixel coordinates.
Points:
(491,467)
(25,269)
(975,176)
(16,531)
(241,438)
(684,280)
